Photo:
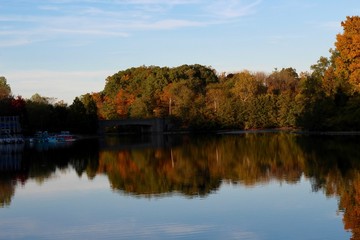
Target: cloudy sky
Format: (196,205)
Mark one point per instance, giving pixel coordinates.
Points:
(66,48)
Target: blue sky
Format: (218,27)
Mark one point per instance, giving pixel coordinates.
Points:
(66,48)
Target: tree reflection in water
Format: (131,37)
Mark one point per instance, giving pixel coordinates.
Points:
(197,165)
(200,164)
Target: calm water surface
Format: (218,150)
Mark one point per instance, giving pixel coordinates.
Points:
(238,186)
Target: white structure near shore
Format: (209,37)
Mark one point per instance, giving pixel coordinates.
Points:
(10,129)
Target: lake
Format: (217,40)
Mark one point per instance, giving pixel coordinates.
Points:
(243,185)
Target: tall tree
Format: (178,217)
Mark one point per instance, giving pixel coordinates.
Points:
(348,47)
(77,116)
(89,104)
(39,115)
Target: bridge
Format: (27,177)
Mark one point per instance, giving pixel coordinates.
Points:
(151,125)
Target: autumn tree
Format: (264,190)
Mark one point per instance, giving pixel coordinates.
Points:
(348,47)
(5,89)
(285,80)
(246,86)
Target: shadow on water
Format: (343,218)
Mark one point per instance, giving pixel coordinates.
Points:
(156,165)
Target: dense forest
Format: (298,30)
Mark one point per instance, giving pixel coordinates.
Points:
(325,99)
(196,97)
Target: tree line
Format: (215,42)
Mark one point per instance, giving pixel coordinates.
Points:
(327,98)
(197,98)
(41,113)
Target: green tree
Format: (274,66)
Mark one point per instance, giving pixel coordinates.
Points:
(91,112)
(37,98)
(261,112)
(324,71)
(139,109)
(181,100)
(5,106)
(223,108)
(39,116)
(287,110)
(89,104)
(77,120)
(315,110)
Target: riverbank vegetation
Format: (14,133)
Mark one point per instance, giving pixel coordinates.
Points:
(198,98)
(40,113)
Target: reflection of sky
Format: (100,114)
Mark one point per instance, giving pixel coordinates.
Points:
(69,207)
(61,182)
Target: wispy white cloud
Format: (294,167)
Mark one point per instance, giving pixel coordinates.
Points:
(48,28)
(167,2)
(19,37)
(232,8)
(48,8)
(14,42)
(116,18)
(166,24)
(98,32)
(20,18)
(141,2)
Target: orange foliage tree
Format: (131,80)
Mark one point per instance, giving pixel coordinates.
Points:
(348,48)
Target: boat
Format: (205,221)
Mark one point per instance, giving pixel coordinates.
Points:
(40,137)
(11,139)
(64,136)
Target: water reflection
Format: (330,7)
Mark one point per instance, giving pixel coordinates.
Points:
(154,166)
(199,164)
(10,156)
(20,163)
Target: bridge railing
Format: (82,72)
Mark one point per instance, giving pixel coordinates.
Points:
(152,125)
